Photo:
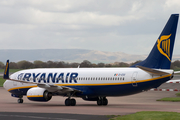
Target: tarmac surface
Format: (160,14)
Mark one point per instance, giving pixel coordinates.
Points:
(55,108)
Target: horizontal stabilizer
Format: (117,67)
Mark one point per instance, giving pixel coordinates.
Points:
(154,89)
(152,71)
(173,81)
(176,72)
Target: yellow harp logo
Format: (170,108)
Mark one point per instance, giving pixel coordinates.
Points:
(163,45)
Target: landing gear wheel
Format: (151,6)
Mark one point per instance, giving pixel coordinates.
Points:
(99,102)
(102,101)
(105,101)
(20,100)
(70,102)
(73,102)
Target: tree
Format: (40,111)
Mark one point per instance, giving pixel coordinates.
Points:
(135,62)
(25,64)
(74,65)
(2,65)
(101,65)
(108,65)
(51,64)
(13,65)
(86,63)
(123,64)
(175,64)
(39,64)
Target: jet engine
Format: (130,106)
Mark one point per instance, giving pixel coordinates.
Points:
(39,94)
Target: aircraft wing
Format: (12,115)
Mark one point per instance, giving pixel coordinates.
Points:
(49,87)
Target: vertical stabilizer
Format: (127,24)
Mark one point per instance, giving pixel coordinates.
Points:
(161,54)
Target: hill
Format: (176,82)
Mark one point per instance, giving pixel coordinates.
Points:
(69,55)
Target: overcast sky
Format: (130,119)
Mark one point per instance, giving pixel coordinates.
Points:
(130,26)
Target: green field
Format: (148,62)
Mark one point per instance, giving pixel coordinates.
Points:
(172,99)
(1,81)
(10,70)
(177,94)
(2,71)
(149,115)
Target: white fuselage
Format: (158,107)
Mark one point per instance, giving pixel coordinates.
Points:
(83,77)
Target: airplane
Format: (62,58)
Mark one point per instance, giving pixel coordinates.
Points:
(96,84)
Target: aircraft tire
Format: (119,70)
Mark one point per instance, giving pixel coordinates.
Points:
(105,101)
(68,102)
(73,102)
(20,100)
(99,102)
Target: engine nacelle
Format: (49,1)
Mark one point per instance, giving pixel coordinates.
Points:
(39,94)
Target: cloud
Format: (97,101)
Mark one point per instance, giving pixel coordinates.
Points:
(107,25)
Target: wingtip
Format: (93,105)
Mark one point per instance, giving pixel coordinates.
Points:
(6,71)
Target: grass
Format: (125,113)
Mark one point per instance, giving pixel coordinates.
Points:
(10,70)
(1,81)
(172,99)
(177,94)
(149,115)
(2,71)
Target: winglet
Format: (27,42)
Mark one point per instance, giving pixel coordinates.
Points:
(6,71)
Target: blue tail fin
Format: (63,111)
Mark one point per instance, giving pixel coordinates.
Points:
(161,54)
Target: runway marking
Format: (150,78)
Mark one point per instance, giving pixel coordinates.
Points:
(36,117)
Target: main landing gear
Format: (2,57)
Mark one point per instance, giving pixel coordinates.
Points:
(70,102)
(102,101)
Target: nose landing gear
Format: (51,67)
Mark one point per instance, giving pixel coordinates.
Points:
(20,100)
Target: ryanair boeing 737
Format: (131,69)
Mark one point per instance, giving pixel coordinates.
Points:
(95,84)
